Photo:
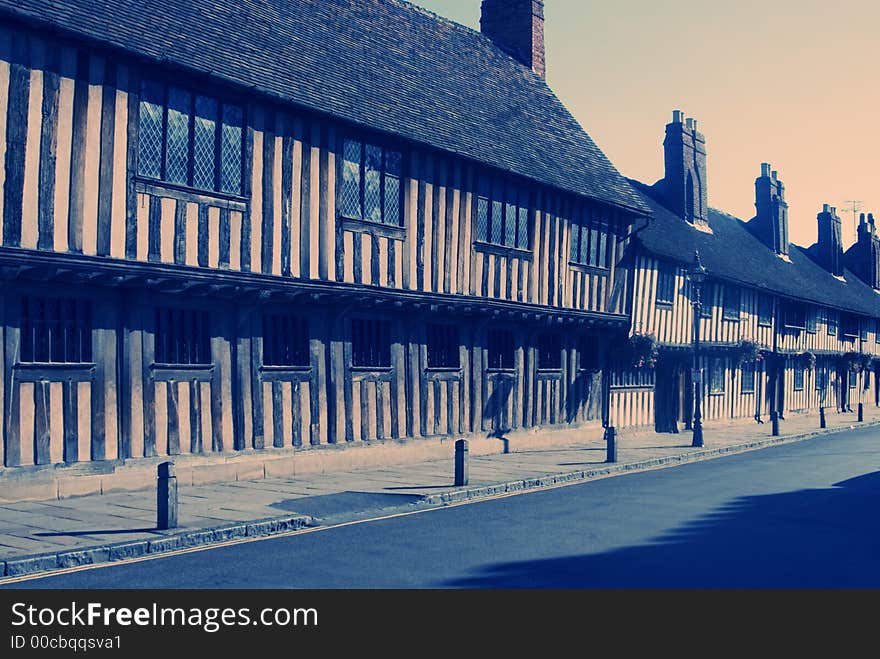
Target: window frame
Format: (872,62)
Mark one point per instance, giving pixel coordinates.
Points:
(376,337)
(765,311)
(752,371)
(729,312)
(170,319)
(821,383)
(452,339)
(76,331)
(495,192)
(385,146)
(623,375)
(811,321)
(222,100)
(597,227)
(707,299)
(717,368)
(493,349)
(278,337)
(549,346)
(798,376)
(665,293)
(832,322)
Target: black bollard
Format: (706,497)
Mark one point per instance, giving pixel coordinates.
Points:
(611,444)
(821,417)
(461,462)
(774,424)
(861,412)
(166,497)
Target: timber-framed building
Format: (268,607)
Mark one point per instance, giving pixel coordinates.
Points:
(783,328)
(234,226)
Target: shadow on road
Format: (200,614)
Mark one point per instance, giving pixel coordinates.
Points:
(819,538)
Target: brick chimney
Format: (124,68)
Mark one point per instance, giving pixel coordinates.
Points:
(771,220)
(830,245)
(517,27)
(863,258)
(684,183)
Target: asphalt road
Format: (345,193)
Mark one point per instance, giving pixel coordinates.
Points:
(794,516)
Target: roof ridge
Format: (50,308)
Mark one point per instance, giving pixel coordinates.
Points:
(406,4)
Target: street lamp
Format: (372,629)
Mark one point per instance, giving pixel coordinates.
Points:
(697,275)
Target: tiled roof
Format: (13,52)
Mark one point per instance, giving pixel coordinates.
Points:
(731,252)
(383,64)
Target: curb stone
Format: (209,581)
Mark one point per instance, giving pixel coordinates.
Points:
(46,563)
(16,567)
(464,494)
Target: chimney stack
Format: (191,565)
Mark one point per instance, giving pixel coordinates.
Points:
(517,27)
(863,258)
(771,219)
(684,183)
(830,245)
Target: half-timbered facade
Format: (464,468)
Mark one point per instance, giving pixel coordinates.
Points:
(782,328)
(295,237)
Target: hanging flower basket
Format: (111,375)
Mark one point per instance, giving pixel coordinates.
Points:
(640,350)
(747,351)
(807,360)
(852,361)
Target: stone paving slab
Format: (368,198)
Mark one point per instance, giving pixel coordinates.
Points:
(37,536)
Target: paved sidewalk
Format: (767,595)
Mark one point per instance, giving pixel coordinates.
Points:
(37,536)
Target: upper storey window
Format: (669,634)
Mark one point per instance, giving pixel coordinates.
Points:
(502,214)
(590,244)
(189,139)
(371,188)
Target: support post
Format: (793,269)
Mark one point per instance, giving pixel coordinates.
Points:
(166,497)
(461,462)
(611,444)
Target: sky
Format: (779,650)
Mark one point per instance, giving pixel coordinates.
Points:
(795,83)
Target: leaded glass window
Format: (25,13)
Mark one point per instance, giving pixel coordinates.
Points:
(502,214)
(150,122)
(590,242)
(748,377)
(371,188)
(204,142)
(189,139)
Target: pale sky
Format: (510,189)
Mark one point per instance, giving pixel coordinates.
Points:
(795,83)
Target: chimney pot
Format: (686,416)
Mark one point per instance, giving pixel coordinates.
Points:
(677,116)
(826,208)
(765,169)
(690,123)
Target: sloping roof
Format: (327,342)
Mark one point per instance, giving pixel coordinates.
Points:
(384,64)
(731,252)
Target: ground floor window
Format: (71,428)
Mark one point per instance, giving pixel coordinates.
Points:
(821,378)
(55,331)
(501,349)
(370,343)
(182,337)
(853,379)
(716,376)
(798,377)
(443,351)
(748,377)
(285,341)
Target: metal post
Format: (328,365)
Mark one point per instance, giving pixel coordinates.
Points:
(611,444)
(821,417)
(166,497)
(861,412)
(697,275)
(774,423)
(461,462)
